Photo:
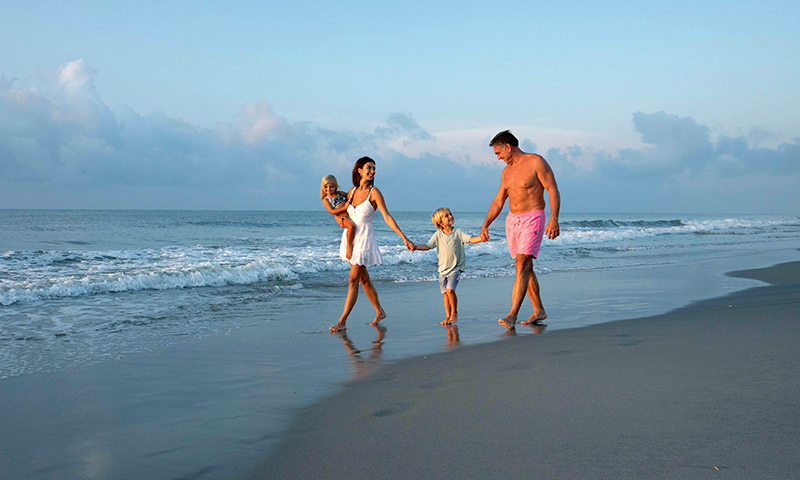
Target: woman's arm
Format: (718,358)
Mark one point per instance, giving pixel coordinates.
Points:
(387,217)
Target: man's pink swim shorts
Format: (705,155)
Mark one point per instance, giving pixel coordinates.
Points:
(524,232)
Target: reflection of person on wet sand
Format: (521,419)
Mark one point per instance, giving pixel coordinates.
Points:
(363,366)
(452,336)
(537,327)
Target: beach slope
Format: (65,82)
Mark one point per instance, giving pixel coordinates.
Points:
(711,390)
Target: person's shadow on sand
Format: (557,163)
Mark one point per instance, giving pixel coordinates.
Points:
(363,366)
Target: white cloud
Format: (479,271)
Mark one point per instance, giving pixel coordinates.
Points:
(76,76)
(61,146)
(678,145)
(257,121)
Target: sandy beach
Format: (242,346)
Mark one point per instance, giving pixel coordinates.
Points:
(710,390)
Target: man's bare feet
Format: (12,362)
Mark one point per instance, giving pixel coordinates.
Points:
(380,316)
(508,322)
(339,327)
(533,319)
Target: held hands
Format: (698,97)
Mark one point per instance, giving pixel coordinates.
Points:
(484,234)
(410,245)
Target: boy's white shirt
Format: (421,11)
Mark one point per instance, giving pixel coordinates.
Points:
(451,256)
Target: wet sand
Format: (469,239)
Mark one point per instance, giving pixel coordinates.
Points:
(711,390)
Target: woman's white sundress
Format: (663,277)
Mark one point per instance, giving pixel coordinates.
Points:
(365,247)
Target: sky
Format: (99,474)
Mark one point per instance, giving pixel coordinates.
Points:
(640,107)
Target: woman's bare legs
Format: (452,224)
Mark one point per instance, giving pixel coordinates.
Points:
(359,274)
(350,300)
(372,294)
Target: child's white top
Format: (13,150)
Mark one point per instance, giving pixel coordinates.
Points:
(450,249)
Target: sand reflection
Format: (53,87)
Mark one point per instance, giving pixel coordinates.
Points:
(364,361)
(536,328)
(452,336)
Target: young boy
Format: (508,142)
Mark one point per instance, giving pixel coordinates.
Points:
(449,244)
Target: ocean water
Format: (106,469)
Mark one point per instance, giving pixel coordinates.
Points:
(82,286)
(179,344)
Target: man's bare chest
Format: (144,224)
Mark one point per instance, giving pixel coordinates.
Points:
(521,180)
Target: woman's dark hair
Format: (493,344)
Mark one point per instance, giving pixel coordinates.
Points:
(360,164)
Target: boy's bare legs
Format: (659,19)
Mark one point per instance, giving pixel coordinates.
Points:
(524,271)
(352,295)
(536,300)
(446,300)
(450,307)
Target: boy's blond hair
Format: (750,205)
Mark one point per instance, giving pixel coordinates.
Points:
(326,180)
(437,216)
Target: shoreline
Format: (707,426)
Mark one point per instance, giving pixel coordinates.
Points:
(703,389)
(216,406)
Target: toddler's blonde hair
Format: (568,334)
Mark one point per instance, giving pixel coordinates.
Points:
(326,180)
(437,216)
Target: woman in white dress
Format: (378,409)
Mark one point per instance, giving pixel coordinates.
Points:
(365,199)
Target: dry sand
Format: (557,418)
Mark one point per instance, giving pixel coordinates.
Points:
(707,391)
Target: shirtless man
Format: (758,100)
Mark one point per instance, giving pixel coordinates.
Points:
(523,182)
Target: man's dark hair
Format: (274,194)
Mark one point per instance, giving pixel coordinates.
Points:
(504,138)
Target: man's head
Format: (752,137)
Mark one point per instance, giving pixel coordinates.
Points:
(503,144)
(504,138)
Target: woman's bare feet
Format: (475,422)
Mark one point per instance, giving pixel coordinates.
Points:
(533,319)
(508,321)
(339,327)
(380,316)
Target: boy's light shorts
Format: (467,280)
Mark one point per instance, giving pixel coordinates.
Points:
(449,281)
(524,232)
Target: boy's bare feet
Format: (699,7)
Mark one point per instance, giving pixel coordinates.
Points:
(534,318)
(339,327)
(508,321)
(380,316)
(453,318)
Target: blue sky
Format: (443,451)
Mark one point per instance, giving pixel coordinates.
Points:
(638,106)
